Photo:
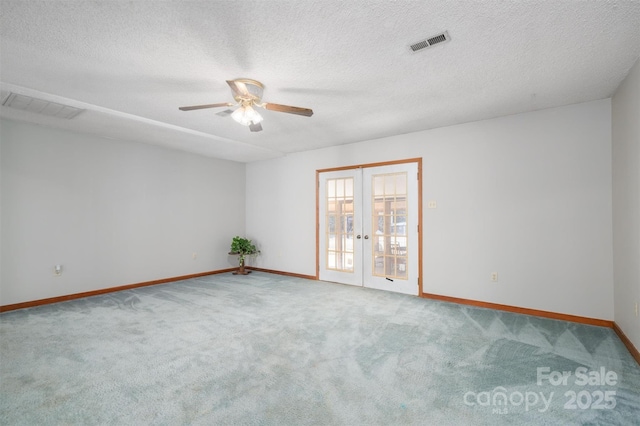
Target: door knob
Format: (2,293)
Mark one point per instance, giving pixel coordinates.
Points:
(358,236)
(366,237)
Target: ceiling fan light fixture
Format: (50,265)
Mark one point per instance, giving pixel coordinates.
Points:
(246,116)
(248,93)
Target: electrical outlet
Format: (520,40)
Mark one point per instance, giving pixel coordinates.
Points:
(494,276)
(194,255)
(57,270)
(432,204)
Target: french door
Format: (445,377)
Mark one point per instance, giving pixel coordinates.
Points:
(368,227)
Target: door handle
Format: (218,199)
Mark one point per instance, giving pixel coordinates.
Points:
(358,236)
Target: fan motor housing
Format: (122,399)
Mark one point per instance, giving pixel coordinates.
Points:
(254,91)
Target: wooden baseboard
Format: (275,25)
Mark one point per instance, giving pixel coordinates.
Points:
(630,347)
(288,274)
(57,299)
(525,311)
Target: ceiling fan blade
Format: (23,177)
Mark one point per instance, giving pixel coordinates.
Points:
(290,109)
(189,108)
(238,87)
(257,127)
(225,113)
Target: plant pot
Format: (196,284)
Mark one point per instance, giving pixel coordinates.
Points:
(241,270)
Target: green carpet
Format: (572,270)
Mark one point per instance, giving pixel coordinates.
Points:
(272,350)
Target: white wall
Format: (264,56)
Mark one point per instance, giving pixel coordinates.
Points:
(626,204)
(112,212)
(527,195)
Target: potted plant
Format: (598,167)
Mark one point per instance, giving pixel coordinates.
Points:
(242,247)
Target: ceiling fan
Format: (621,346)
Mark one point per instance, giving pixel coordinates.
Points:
(248,94)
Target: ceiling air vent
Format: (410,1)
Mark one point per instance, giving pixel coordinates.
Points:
(431,41)
(40,106)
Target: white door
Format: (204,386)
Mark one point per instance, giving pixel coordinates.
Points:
(340,223)
(368,227)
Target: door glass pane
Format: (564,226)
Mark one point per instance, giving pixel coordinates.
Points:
(401,184)
(331,189)
(331,257)
(339,215)
(389,220)
(389,185)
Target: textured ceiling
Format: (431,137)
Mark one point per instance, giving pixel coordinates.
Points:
(132,64)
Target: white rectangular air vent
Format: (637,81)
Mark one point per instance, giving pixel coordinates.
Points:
(40,106)
(431,41)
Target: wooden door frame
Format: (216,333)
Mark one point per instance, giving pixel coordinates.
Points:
(418,162)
